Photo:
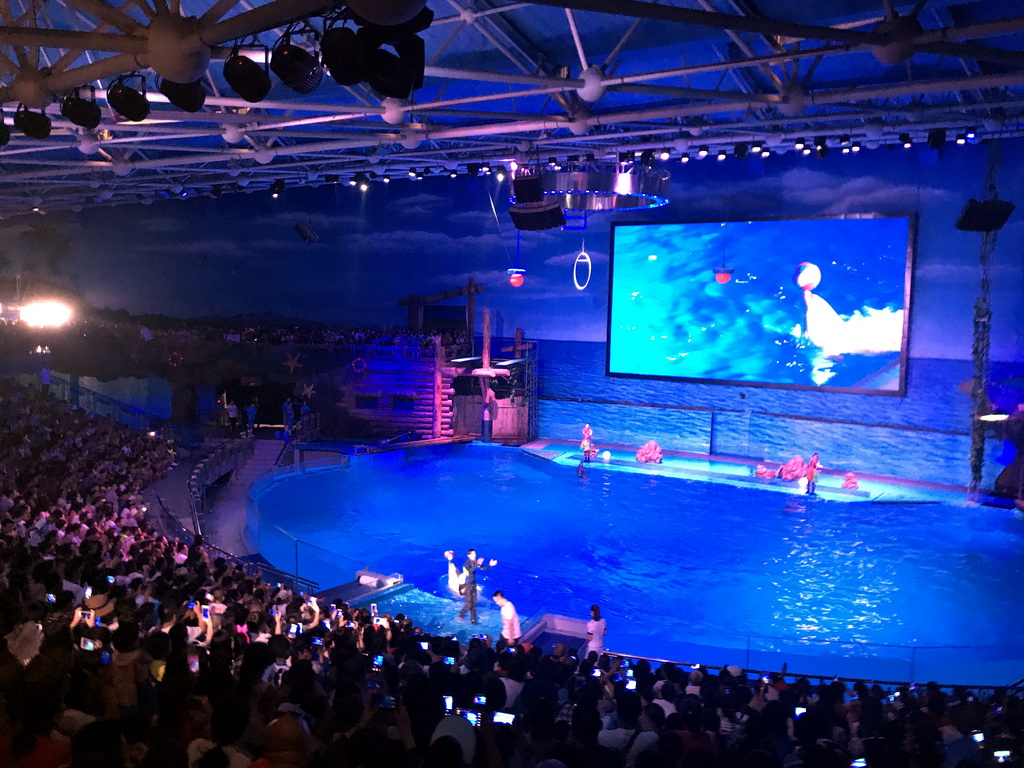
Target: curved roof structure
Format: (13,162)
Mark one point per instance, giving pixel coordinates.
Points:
(503,81)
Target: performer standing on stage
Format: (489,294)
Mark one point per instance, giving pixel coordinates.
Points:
(811,473)
(586,444)
(469,590)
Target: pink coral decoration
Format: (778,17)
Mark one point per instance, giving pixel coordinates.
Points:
(793,469)
(649,453)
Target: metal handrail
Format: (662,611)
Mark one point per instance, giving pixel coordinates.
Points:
(227,457)
(291,580)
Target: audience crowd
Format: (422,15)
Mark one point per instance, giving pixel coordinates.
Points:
(128,649)
(175,331)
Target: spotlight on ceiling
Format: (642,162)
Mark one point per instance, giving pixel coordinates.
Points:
(189,97)
(277,188)
(126,101)
(362,181)
(84,113)
(722,154)
(247,78)
(820,141)
(961,138)
(35,125)
(822,151)
(684,158)
(906,141)
(353,57)
(936,138)
(703,151)
(500,172)
(855,147)
(664,154)
(453,174)
(756,147)
(740,150)
(341,54)
(386,178)
(412,173)
(297,67)
(765,152)
(844,140)
(800,144)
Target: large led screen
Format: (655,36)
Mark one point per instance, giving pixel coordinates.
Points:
(818,303)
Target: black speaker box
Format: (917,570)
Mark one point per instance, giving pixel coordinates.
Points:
(527,189)
(534,217)
(984,215)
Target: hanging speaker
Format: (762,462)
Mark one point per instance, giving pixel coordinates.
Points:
(984,215)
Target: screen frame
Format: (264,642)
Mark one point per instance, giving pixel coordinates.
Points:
(900,391)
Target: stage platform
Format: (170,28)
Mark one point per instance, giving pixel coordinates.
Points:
(876,489)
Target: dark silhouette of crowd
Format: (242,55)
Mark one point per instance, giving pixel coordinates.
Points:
(128,649)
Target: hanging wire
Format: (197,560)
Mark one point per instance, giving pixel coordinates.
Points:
(501,233)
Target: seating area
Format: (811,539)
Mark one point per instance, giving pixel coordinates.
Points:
(124,647)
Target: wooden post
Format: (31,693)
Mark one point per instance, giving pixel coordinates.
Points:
(519,343)
(471,314)
(487,338)
(438,382)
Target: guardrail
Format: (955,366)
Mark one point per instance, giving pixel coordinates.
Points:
(267,572)
(762,654)
(227,457)
(98,404)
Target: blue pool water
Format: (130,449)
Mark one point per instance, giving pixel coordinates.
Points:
(668,557)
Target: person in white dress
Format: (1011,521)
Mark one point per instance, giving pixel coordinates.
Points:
(597,628)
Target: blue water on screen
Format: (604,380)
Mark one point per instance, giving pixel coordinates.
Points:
(669,317)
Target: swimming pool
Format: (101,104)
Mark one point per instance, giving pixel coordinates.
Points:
(665,557)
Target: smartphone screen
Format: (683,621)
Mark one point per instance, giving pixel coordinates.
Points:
(206,612)
(631,685)
(1002,755)
(471,716)
(425,646)
(387,702)
(447,703)
(978,737)
(106,657)
(449,660)
(479,701)
(860,762)
(595,673)
(797,711)
(318,641)
(504,718)
(87,644)
(193,662)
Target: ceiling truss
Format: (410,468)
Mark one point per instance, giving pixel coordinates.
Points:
(517,80)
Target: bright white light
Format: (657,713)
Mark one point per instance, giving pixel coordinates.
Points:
(43,314)
(606,455)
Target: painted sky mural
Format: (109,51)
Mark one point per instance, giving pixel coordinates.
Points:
(240,253)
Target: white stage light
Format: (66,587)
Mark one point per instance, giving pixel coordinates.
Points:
(45,314)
